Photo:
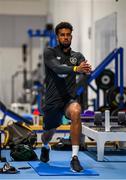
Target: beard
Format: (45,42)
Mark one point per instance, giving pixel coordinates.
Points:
(64,46)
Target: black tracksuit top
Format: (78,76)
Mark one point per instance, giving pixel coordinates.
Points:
(60,78)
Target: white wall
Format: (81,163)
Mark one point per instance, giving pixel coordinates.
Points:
(10,61)
(77,12)
(11,58)
(26,7)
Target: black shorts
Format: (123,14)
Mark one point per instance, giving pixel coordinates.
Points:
(53,117)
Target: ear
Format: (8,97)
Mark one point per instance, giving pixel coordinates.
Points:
(57,38)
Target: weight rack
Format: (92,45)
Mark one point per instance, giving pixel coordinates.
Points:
(117,55)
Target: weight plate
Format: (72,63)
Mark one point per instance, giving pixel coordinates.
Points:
(105,80)
(103,108)
(114,97)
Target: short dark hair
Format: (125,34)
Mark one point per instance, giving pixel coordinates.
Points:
(62,25)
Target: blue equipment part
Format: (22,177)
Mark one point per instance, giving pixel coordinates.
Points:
(44,33)
(65,120)
(112,56)
(13,115)
(117,55)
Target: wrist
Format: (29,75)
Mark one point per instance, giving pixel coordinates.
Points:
(75,68)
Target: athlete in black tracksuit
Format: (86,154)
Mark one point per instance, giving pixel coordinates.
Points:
(60,83)
(61,66)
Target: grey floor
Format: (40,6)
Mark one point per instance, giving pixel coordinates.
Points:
(113,166)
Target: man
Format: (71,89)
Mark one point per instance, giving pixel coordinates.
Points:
(61,66)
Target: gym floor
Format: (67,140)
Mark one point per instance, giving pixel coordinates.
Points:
(113,166)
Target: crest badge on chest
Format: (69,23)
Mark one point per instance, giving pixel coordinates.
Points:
(73,60)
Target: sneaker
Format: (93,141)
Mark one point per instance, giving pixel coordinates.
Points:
(44,155)
(7,169)
(75,164)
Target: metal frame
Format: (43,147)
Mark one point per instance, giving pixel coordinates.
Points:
(117,55)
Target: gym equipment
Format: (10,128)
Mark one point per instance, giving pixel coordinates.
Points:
(24,54)
(107,133)
(13,115)
(2,117)
(65,120)
(58,169)
(107,120)
(23,72)
(117,56)
(47,37)
(116,110)
(64,144)
(87,113)
(13,85)
(99,118)
(122,118)
(105,80)
(103,108)
(114,97)
(101,137)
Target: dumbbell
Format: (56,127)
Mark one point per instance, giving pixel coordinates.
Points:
(98,118)
(120,118)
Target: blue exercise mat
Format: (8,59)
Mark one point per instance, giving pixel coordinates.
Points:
(58,169)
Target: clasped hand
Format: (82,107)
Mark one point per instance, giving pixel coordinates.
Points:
(84,67)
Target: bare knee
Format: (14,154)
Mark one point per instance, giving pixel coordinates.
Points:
(73,111)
